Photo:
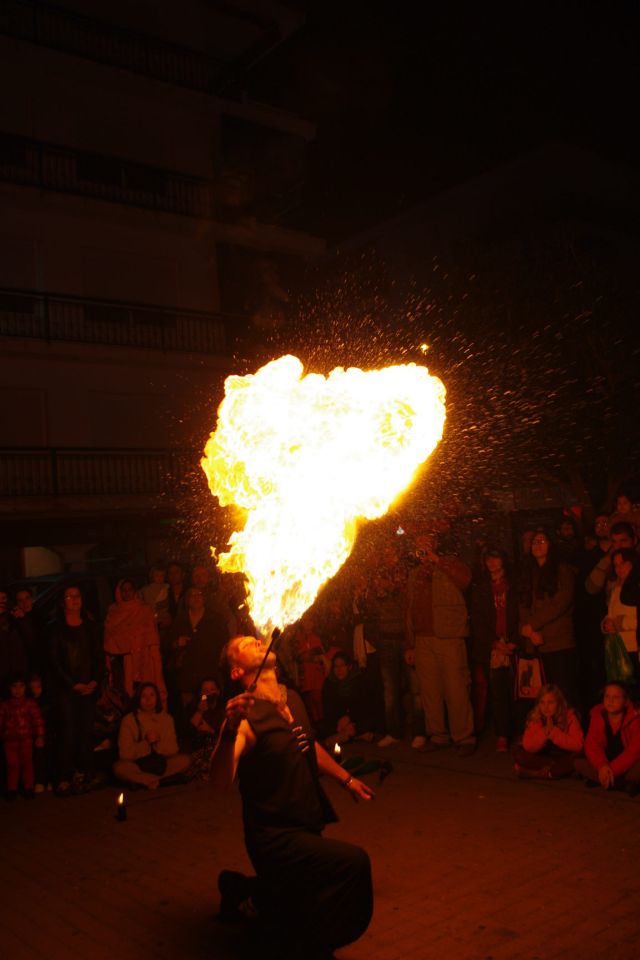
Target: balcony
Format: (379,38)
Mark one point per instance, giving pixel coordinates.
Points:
(115,46)
(106,43)
(46,472)
(32,163)
(56,317)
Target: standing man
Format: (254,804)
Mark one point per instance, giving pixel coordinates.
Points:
(437,624)
(317,891)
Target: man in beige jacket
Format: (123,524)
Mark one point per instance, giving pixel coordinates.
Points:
(436,627)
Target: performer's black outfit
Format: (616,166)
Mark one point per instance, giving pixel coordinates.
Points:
(317,889)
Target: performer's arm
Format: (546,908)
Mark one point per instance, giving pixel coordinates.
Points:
(326,764)
(235,737)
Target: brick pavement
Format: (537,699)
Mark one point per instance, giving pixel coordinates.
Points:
(469,864)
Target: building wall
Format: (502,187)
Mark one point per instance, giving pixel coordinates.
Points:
(93,248)
(57,390)
(72,395)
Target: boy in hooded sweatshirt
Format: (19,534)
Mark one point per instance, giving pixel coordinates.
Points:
(612,744)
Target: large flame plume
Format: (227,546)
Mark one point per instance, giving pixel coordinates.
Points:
(307,458)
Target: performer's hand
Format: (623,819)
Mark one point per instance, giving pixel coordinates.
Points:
(359,790)
(237,709)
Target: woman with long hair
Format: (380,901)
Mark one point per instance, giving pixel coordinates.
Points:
(552,737)
(147,744)
(546,613)
(494,631)
(347,714)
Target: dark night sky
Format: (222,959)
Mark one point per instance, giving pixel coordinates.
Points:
(410,98)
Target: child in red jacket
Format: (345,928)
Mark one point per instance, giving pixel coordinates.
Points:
(21,726)
(612,744)
(552,738)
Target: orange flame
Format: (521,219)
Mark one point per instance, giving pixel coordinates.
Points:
(307,458)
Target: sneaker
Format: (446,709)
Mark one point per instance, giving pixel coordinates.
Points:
(431,745)
(388,741)
(39,788)
(542,773)
(466,749)
(502,745)
(419,743)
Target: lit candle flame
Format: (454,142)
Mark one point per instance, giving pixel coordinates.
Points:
(337,750)
(307,458)
(121,800)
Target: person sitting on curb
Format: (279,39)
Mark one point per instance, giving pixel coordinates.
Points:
(147,744)
(612,744)
(552,738)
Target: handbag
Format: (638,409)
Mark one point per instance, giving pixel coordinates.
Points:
(617,661)
(529,678)
(154,763)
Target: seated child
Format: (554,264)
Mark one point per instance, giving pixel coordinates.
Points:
(551,739)
(612,744)
(347,715)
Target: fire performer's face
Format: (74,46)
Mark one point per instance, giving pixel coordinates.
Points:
(245,656)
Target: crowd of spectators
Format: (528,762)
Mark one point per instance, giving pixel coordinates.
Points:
(539,651)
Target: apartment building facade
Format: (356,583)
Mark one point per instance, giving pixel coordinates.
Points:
(143,205)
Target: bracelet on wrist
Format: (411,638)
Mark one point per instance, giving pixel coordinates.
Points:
(345,783)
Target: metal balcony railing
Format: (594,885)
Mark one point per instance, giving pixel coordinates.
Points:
(48,166)
(104,42)
(52,316)
(71,472)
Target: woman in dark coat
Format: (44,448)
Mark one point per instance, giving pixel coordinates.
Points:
(76,672)
(547,592)
(494,622)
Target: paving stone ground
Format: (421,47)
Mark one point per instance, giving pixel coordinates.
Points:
(469,864)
